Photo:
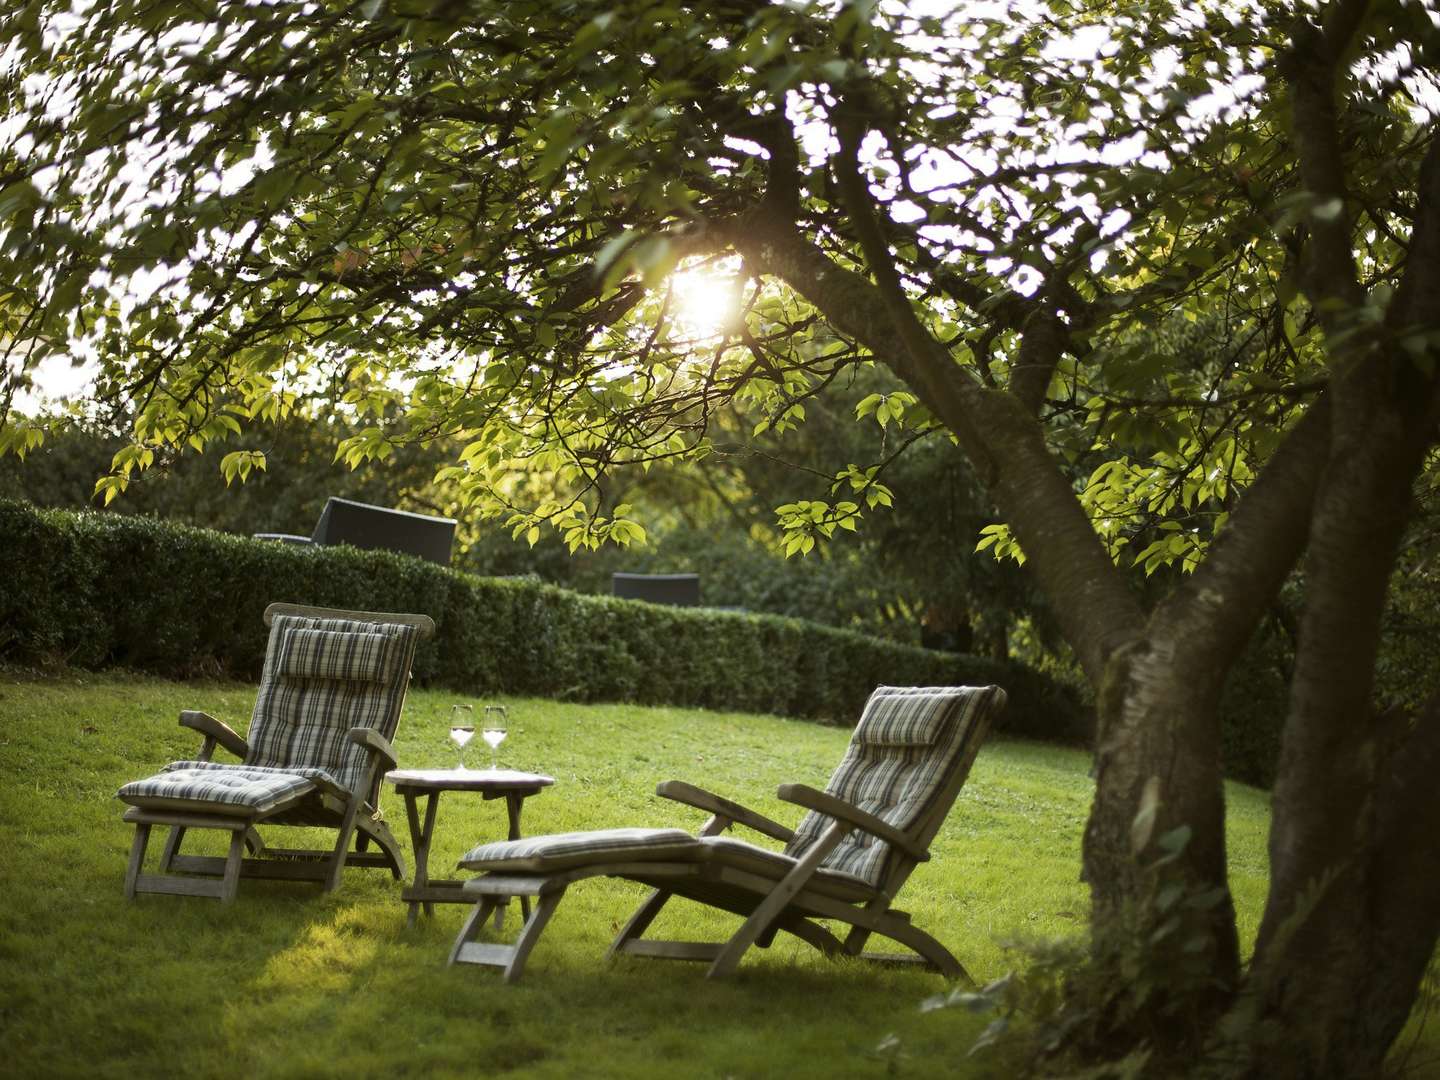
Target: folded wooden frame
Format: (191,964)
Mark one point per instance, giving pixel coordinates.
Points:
(846,861)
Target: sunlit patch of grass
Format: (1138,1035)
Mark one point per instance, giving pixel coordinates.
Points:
(289,982)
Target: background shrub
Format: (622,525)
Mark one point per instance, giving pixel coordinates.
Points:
(97,589)
(1253,707)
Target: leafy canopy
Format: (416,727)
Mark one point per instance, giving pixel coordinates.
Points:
(463,220)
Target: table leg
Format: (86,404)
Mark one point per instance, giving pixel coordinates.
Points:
(420,836)
(513,802)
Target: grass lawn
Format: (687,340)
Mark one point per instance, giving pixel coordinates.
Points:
(290,982)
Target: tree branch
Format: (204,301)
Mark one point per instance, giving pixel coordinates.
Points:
(1266,533)
(1042,343)
(1414,302)
(856,195)
(1004,443)
(1311,67)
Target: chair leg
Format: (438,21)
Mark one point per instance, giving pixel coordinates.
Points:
(530,934)
(253,842)
(511,958)
(639,922)
(855,940)
(378,834)
(470,929)
(935,954)
(137,858)
(172,847)
(342,848)
(233,860)
(749,934)
(772,908)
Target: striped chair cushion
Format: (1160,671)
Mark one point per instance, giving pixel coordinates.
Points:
(323,677)
(561,850)
(905,750)
(319,777)
(774,865)
(236,788)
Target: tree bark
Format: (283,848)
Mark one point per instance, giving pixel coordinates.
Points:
(1158,757)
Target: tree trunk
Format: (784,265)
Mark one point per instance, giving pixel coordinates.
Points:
(1155,842)
(1354,905)
(1154,853)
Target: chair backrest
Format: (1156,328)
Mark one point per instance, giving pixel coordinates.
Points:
(906,763)
(326,672)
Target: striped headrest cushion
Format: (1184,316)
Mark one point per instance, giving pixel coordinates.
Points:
(349,656)
(906,715)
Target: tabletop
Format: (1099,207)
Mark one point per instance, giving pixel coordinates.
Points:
(468,779)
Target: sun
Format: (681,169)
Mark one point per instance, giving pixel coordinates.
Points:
(706,300)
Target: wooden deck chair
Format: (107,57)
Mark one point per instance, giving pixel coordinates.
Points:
(330,697)
(846,861)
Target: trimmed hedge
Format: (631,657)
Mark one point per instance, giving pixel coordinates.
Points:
(96,589)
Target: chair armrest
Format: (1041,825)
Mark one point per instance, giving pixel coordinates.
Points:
(829,805)
(215,731)
(376,744)
(723,808)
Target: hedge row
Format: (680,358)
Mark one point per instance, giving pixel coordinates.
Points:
(95,590)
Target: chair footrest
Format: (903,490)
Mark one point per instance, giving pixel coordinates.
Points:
(672,950)
(276,869)
(509,885)
(139,815)
(484,952)
(179,886)
(435,892)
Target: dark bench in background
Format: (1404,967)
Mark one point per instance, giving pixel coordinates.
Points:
(344,521)
(680,589)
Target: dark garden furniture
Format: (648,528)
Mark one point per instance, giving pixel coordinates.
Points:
(344,521)
(682,590)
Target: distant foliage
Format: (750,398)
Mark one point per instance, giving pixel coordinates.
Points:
(1257,693)
(100,589)
(903,577)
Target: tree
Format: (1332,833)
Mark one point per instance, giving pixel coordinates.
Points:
(470,214)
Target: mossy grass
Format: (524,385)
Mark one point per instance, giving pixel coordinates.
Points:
(290,982)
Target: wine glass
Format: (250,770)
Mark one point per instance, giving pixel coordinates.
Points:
(492,729)
(462,728)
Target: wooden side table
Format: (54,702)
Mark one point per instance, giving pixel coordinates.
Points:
(514,787)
